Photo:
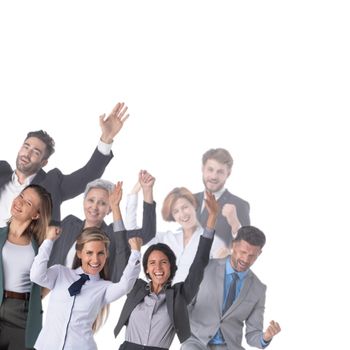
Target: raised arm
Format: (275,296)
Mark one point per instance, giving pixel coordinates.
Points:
(39,272)
(194,278)
(119,248)
(130,274)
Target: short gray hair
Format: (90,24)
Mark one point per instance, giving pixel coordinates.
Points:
(99,183)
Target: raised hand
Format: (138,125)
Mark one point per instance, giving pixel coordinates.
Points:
(230,213)
(111,125)
(116,195)
(146,181)
(213,209)
(135,243)
(53,232)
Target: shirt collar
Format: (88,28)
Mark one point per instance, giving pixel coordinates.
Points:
(229,269)
(96,277)
(218,194)
(27,181)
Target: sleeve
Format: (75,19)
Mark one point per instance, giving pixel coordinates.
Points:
(74,184)
(131,272)
(148,230)
(119,251)
(39,273)
(189,287)
(255,323)
(131,211)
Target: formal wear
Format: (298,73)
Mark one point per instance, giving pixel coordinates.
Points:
(69,319)
(177,297)
(223,229)
(63,187)
(119,250)
(26,315)
(206,311)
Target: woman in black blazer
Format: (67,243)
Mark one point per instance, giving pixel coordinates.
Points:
(155,310)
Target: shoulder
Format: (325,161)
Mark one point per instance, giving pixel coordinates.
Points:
(5,166)
(71,220)
(230,197)
(256,281)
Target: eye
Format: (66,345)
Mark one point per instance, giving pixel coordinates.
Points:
(101,253)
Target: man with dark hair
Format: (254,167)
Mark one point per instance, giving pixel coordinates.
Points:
(229,297)
(33,155)
(234,211)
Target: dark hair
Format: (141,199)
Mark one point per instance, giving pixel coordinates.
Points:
(164,248)
(38,227)
(46,138)
(251,235)
(221,155)
(172,197)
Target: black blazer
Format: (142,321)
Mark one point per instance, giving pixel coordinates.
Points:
(178,296)
(63,187)
(119,250)
(223,229)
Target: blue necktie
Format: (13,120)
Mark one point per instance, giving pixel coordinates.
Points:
(75,287)
(231,293)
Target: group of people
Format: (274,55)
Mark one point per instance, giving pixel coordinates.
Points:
(198,283)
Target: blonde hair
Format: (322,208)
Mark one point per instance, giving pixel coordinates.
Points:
(94,234)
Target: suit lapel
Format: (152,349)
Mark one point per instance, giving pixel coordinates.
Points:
(169,296)
(219,281)
(242,295)
(39,177)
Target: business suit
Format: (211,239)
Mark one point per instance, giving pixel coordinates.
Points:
(34,317)
(223,229)
(63,187)
(178,296)
(206,310)
(119,250)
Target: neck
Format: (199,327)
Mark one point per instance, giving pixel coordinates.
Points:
(17,228)
(156,288)
(21,176)
(188,232)
(92,224)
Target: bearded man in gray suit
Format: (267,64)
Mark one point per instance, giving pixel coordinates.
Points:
(229,297)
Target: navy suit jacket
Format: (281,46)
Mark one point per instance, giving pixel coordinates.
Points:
(63,187)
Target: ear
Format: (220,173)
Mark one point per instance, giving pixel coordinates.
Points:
(79,254)
(36,217)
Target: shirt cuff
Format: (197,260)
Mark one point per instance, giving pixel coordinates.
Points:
(264,343)
(135,257)
(118,226)
(208,233)
(104,148)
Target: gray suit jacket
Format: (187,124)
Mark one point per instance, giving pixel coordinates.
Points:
(206,309)
(222,228)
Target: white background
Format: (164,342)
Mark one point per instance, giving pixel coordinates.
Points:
(268,80)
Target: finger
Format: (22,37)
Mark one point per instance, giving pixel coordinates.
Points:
(117,108)
(102,117)
(122,112)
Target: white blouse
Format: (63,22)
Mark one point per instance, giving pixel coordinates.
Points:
(69,320)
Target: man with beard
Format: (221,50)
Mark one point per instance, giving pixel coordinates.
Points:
(33,155)
(216,168)
(231,297)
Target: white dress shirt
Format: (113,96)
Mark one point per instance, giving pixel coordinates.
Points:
(69,319)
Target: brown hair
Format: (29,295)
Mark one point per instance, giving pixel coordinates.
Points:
(46,138)
(221,155)
(172,197)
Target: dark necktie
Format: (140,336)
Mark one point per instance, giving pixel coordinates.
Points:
(75,287)
(231,293)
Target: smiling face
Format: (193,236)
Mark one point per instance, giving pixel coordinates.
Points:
(30,158)
(158,269)
(184,213)
(93,257)
(215,175)
(96,206)
(244,255)
(25,207)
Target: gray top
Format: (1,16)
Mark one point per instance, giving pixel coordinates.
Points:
(150,324)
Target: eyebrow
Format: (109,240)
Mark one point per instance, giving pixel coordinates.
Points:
(35,148)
